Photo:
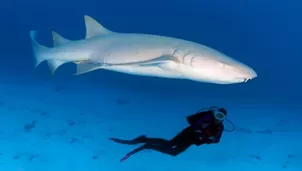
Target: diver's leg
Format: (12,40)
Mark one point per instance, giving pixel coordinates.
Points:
(157,141)
(170,150)
(163,148)
(184,134)
(177,144)
(139,139)
(160,141)
(144,139)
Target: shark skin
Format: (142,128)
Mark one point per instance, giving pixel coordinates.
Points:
(141,54)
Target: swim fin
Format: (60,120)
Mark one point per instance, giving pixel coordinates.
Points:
(139,139)
(127,156)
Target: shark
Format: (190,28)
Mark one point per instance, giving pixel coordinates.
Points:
(140,54)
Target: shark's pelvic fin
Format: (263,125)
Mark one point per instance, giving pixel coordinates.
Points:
(93,28)
(86,67)
(58,39)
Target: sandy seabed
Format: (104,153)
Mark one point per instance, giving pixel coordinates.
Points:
(65,128)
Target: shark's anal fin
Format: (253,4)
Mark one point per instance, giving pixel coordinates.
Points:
(93,28)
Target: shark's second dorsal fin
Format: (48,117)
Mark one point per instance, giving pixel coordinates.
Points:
(58,39)
(93,28)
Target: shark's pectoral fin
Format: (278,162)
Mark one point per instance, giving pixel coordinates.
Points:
(88,66)
(155,62)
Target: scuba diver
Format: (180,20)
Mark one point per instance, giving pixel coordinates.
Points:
(205,127)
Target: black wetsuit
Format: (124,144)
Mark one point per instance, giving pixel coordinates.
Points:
(191,135)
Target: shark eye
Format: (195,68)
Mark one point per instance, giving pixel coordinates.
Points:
(222,64)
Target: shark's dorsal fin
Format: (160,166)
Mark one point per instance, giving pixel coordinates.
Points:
(58,39)
(93,28)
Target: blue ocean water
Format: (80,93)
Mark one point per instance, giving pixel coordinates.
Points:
(62,122)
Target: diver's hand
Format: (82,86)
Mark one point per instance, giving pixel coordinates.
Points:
(210,140)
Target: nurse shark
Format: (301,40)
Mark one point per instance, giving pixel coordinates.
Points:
(141,54)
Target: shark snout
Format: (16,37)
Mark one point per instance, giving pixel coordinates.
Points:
(247,74)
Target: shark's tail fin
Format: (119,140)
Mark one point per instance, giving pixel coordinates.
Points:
(39,51)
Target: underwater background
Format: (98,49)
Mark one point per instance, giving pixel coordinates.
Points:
(62,122)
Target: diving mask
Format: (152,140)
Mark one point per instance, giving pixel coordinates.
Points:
(218,114)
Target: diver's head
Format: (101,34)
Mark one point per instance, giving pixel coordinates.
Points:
(223,110)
